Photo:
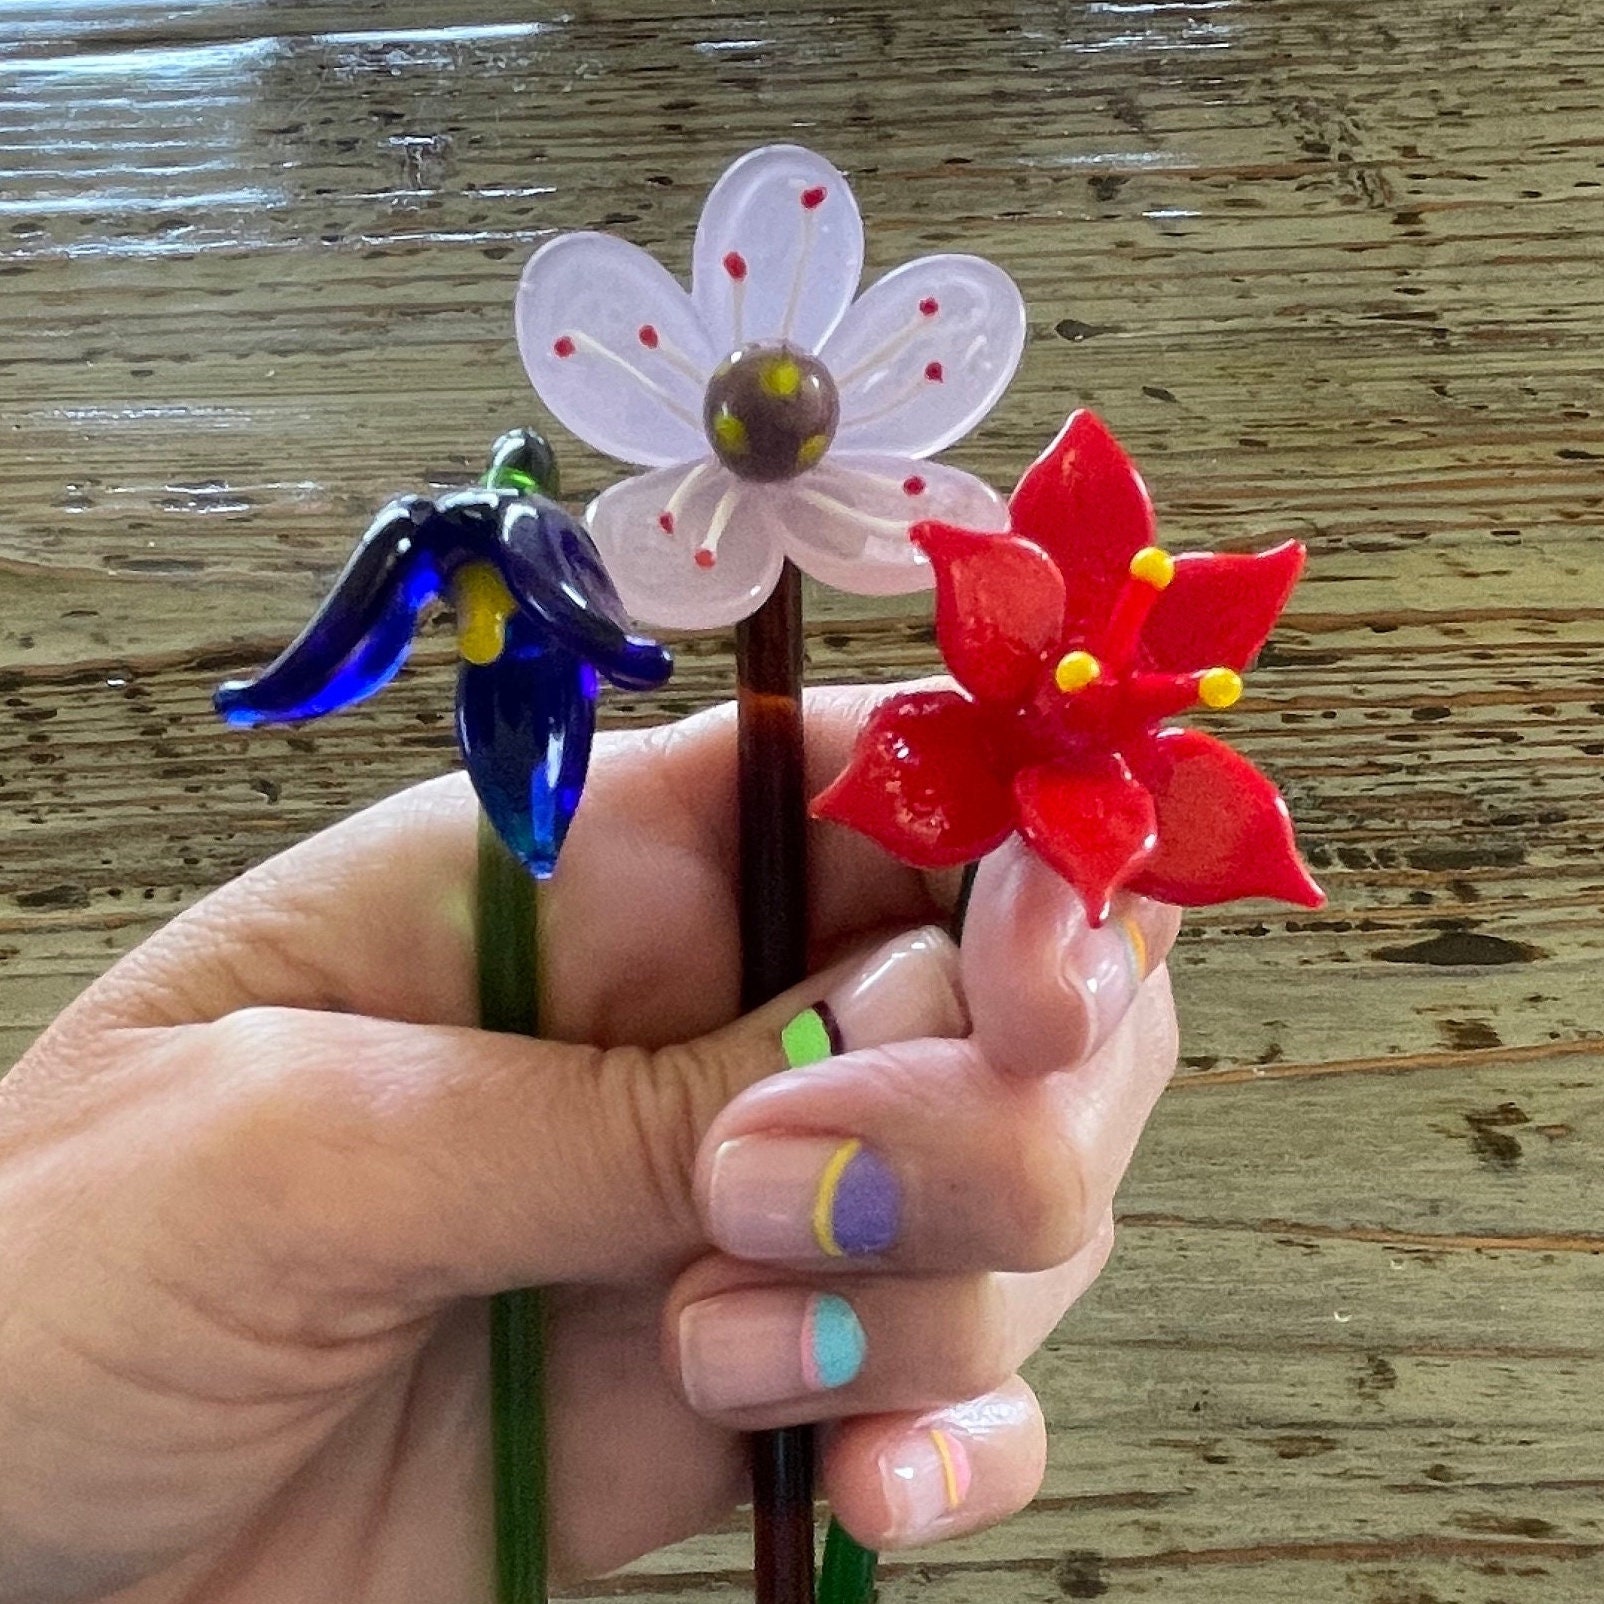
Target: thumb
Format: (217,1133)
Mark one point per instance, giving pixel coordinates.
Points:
(368,1159)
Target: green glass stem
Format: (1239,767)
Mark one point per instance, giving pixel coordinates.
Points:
(847,1576)
(507,943)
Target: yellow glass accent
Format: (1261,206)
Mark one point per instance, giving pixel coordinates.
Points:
(484,604)
(1153,566)
(1220,687)
(782,378)
(730,432)
(1076,671)
(811,449)
(824,1199)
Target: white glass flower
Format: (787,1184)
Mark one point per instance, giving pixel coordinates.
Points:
(780,416)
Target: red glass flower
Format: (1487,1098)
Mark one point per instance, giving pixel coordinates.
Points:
(1072,637)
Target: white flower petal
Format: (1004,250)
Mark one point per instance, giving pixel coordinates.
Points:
(614,348)
(779,250)
(847,522)
(649,530)
(924,354)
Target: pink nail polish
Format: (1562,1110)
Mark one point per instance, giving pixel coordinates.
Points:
(926,1476)
(751,1349)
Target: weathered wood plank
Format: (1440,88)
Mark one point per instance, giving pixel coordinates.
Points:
(1330,271)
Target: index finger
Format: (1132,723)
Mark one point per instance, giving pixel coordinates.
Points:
(640,931)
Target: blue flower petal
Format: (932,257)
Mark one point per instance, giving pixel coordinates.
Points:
(552,567)
(525,724)
(361,634)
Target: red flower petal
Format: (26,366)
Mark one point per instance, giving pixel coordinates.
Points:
(920,784)
(1219,609)
(999,609)
(1094,825)
(1223,828)
(1084,503)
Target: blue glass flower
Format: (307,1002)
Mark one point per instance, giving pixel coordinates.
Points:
(538,620)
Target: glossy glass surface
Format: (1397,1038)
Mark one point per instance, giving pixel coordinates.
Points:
(526,707)
(1071,639)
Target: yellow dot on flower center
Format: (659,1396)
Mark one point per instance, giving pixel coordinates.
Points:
(1076,671)
(1219,687)
(730,432)
(1153,566)
(811,449)
(782,378)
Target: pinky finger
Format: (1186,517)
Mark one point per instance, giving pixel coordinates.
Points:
(898,1481)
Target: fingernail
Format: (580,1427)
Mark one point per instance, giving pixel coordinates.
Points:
(1109,963)
(909,989)
(801,1199)
(747,1350)
(926,1477)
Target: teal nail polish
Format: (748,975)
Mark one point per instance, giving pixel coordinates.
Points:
(833,1343)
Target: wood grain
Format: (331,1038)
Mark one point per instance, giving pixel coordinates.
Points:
(1331,270)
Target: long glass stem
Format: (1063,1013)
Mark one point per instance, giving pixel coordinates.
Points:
(774,953)
(507,905)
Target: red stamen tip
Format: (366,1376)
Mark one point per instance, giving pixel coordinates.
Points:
(913,485)
(562,346)
(735,265)
(813,198)
(934,372)
(929,306)
(705,558)
(665,522)
(647,336)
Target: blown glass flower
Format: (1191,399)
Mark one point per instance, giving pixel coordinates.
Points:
(537,621)
(782,418)
(1072,637)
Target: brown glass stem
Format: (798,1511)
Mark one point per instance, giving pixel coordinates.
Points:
(774,956)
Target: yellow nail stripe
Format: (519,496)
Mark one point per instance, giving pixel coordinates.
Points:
(1133,934)
(824,1201)
(949,1469)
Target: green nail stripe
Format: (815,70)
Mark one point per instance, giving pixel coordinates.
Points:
(806,1040)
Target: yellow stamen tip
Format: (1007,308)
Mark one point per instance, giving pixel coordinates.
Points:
(1153,566)
(730,432)
(484,604)
(782,378)
(1220,687)
(1076,671)
(811,449)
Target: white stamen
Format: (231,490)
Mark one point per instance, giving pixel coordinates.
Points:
(678,360)
(738,309)
(900,399)
(832,504)
(682,491)
(895,346)
(718,522)
(810,230)
(585,343)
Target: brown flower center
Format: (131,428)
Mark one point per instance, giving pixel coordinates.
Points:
(770,412)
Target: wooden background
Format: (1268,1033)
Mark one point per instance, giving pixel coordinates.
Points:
(1329,268)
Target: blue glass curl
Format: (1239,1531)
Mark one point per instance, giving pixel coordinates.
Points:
(526,719)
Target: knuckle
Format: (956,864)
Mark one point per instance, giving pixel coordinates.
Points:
(977,1359)
(1044,1215)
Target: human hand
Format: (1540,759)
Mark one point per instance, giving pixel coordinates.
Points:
(254,1183)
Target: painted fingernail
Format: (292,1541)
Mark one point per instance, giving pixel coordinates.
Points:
(802,1199)
(747,1350)
(907,990)
(1110,963)
(926,1476)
